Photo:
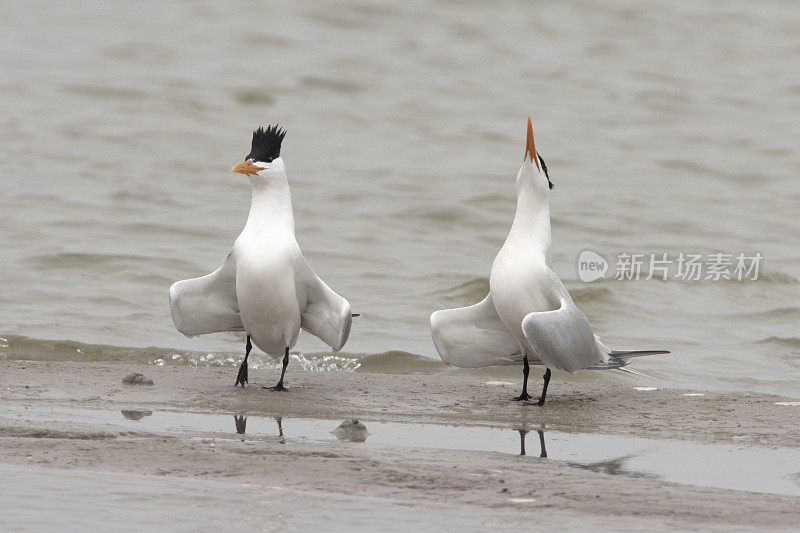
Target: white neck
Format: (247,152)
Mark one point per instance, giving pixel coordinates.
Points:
(531,227)
(271,205)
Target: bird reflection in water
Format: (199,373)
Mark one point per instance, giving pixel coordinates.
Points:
(241,426)
(615,467)
(280,430)
(241,423)
(523,433)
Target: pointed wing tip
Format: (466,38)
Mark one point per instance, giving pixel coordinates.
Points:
(637,353)
(635,372)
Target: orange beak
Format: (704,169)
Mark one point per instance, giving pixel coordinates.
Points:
(530,148)
(246,167)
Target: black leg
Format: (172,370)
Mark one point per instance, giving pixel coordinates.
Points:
(541,444)
(522,434)
(279,420)
(242,376)
(544,389)
(279,386)
(526,369)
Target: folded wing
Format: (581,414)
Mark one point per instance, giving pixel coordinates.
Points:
(563,338)
(323,313)
(474,336)
(207,304)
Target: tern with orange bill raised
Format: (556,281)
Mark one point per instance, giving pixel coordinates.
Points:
(528,316)
(264,286)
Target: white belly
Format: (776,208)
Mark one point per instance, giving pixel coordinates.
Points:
(519,285)
(268,306)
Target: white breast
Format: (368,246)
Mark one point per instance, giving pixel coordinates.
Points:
(265,288)
(519,285)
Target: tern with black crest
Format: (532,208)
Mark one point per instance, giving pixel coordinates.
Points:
(528,316)
(264,286)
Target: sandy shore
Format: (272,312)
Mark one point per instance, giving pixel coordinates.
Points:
(455,489)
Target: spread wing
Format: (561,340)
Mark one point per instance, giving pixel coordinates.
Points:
(323,313)
(474,336)
(207,304)
(562,338)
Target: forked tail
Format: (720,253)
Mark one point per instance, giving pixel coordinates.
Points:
(620,358)
(627,354)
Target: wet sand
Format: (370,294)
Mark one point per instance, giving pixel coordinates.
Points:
(359,486)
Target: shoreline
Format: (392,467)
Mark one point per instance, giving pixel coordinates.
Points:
(711,418)
(511,488)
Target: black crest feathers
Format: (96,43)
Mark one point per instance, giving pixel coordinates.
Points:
(546,175)
(266,144)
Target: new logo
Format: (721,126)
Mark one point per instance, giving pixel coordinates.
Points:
(591,266)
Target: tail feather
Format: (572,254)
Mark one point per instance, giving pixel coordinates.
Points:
(619,358)
(627,354)
(611,363)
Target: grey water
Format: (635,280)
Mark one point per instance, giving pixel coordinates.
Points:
(667,127)
(740,465)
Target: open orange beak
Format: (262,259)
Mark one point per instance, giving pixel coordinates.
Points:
(530,148)
(246,167)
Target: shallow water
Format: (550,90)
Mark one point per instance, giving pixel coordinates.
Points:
(739,465)
(666,128)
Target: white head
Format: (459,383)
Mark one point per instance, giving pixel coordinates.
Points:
(264,162)
(533,172)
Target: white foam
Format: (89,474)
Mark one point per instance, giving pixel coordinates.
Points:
(645,388)
(317,363)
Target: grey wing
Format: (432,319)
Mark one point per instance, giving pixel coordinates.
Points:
(563,338)
(323,313)
(474,336)
(207,304)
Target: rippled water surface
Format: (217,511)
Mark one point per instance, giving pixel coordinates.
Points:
(667,127)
